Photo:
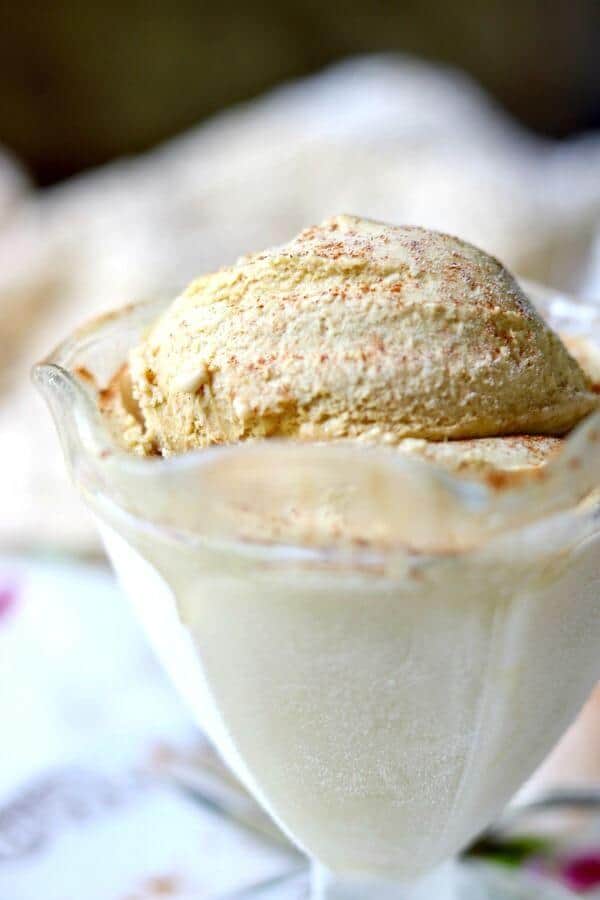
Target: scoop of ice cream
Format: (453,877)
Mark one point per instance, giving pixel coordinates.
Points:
(354,329)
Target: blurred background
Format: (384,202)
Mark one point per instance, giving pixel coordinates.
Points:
(84,83)
(140,145)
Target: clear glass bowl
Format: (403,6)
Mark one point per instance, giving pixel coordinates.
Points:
(382,652)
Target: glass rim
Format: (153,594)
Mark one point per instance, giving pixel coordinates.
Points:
(474,496)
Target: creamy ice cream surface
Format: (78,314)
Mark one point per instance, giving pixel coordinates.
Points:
(353,330)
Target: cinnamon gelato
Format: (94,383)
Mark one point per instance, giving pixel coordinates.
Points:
(355,330)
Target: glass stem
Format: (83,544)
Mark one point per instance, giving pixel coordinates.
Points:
(442,884)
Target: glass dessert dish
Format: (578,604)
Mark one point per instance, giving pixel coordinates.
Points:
(382,651)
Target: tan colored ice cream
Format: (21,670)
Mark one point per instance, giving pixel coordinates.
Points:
(355,330)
